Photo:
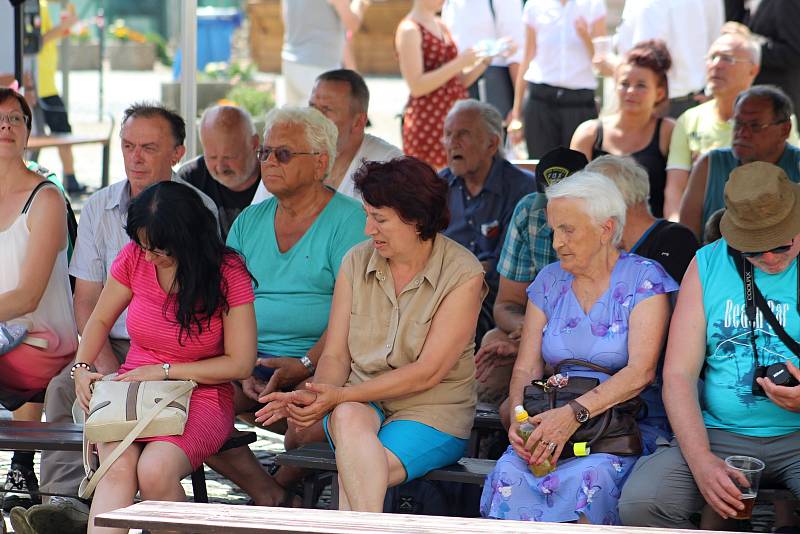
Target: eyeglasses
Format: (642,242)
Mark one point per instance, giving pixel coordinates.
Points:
(14,119)
(155,251)
(753,127)
(725,58)
(776,250)
(283,155)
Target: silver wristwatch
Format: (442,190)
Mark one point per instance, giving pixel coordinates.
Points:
(308,364)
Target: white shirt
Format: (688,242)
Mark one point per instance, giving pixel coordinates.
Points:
(687,26)
(470,21)
(372,149)
(562,60)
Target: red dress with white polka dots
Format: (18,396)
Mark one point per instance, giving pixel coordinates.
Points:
(423,120)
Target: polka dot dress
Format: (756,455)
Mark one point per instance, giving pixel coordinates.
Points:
(423,121)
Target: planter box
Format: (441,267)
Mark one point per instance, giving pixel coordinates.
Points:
(129,55)
(82,56)
(207,94)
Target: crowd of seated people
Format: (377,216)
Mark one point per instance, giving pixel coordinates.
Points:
(313,279)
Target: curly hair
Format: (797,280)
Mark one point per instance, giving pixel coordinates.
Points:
(654,55)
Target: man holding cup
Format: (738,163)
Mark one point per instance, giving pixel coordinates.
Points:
(736,320)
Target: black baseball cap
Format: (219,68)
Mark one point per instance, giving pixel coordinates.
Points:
(557,165)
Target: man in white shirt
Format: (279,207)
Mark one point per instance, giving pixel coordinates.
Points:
(688,27)
(472,21)
(343,97)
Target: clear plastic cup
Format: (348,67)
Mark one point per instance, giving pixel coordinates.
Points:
(602,47)
(751,468)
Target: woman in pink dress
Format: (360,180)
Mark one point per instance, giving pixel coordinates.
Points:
(190,317)
(437,75)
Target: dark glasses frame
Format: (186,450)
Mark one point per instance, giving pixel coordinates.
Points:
(777,250)
(283,155)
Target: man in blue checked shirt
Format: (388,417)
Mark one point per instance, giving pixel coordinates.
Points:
(527,248)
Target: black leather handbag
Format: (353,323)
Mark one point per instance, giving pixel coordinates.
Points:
(614,431)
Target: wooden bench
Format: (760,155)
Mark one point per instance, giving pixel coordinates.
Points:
(320,459)
(37,436)
(177,517)
(38,142)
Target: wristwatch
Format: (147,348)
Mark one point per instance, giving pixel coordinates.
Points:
(308,364)
(165,367)
(581,413)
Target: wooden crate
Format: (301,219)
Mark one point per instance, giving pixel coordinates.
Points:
(373,43)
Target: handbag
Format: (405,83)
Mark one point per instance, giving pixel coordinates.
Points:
(614,431)
(126,411)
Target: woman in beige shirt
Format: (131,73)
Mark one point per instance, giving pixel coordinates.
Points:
(395,384)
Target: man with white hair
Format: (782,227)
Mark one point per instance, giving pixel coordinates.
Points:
(732,63)
(484,188)
(228,171)
(343,97)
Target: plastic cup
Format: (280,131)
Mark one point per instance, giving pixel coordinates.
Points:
(751,468)
(602,47)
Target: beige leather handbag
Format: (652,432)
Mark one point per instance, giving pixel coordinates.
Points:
(126,411)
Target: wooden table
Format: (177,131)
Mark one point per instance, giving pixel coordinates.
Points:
(176,517)
(36,142)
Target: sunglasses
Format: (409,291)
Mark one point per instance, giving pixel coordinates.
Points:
(283,155)
(776,250)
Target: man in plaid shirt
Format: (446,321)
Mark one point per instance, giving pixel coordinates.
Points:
(527,248)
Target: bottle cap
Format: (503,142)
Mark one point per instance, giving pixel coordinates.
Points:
(520,415)
(581,449)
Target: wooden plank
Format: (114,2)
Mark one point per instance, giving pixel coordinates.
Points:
(47,141)
(34,435)
(176,517)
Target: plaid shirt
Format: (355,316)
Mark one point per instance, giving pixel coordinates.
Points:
(529,241)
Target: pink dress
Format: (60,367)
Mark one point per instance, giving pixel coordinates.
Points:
(154,340)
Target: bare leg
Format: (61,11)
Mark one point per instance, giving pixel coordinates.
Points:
(30,411)
(241,467)
(161,467)
(365,467)
(344,503)
(67,161)
(117,488)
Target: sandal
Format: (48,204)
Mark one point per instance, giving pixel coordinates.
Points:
(11,336)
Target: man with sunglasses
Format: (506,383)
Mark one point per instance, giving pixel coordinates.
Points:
(732,63)
(151,138)
(761,125)
(738,314)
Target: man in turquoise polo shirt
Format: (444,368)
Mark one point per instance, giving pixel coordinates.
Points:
(761,127)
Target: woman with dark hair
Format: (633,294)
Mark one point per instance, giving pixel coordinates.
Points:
(35,298)
(395,387)
(190,317)
(637,128)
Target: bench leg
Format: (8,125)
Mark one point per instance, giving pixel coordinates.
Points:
(106,163)
(199,485)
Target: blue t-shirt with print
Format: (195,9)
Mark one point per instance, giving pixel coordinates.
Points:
(726,396)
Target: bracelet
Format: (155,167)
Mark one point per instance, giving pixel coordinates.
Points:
(308,364)
(78,365)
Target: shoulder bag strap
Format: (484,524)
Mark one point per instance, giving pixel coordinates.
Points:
(583,363)
(39,187)
(87,490)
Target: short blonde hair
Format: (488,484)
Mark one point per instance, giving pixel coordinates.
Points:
(320,131)
(601,198)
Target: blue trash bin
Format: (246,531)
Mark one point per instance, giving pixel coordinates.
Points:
(215,28)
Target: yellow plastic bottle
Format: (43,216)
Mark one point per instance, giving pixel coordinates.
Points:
(524,431)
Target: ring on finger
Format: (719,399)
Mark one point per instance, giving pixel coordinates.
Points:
(551,446)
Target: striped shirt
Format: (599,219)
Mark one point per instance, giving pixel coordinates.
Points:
(528,246)
(101,235)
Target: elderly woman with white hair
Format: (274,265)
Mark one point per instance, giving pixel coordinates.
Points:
(293,243)
(598,304)
(671,244)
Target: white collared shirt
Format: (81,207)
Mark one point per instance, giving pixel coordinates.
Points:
(372,149)
(687,26)
(471,21)
(562,59)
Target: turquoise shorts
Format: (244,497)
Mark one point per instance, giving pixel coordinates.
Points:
(419,447)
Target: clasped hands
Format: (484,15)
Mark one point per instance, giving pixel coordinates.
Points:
(84,379)
(553,430)
(302,407)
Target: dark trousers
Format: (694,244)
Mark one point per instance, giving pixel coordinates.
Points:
(678,105)
(494,87)
(552,114)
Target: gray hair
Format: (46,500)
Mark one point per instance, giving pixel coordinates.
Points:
(489,116)
(321,133)
(602,199)
(229,117)
(782,107)
(630,178)
(746,42)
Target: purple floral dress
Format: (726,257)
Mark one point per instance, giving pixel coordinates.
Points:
(589,485)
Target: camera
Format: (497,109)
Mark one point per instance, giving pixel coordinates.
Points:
(778,373)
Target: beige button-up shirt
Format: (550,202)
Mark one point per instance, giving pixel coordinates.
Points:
(388,331)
